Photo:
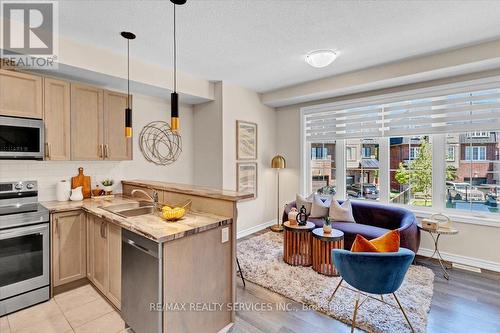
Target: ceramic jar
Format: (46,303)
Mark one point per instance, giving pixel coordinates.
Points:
(76,194)
(63,190)
(292,216)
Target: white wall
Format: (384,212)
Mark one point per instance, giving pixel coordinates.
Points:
(145,109)
(475,245)
(207,119)
(243,104)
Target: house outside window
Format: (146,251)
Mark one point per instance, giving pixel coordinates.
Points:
(450,154)
(414,151)
(475,153)
(478,134)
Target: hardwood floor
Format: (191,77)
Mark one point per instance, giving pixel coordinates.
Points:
(468,302)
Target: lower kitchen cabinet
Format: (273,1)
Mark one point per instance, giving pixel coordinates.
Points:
(115,264)
(98,253)
(68,247)
(104,257)
(87,246)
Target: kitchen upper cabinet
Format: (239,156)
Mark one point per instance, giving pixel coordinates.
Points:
(116,146)
(57,117)
(20,94)
(99,253)
(86,123)
(115,264)
(68,247)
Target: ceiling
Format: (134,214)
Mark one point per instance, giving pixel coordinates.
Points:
(261,44)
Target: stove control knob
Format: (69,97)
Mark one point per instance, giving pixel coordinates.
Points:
(30,186)
(19,186)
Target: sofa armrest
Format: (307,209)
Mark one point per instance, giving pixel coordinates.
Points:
(409,233)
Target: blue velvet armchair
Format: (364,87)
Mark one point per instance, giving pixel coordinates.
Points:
(373,273)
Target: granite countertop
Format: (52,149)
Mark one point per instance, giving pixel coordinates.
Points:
(149,226)
(200,191)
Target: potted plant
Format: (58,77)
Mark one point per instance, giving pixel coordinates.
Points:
(108,185)
(327,226)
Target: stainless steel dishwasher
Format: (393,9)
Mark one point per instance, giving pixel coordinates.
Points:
(141,283)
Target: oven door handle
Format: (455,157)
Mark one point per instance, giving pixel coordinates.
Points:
(23,231)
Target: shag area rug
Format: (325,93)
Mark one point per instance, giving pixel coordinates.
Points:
(261,259)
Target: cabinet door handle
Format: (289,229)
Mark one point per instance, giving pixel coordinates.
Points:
(106,151)
(101,151)
(57,226)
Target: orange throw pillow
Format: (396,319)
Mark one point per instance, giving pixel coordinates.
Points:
(389,242)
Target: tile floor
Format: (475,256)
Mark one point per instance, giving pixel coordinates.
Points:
(81,310)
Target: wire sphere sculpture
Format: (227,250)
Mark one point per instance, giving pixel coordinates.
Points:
(159,144)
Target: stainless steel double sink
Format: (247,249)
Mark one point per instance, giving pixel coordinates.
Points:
(131,209)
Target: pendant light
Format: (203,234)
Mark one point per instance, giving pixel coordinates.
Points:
(174,97)
(128,111)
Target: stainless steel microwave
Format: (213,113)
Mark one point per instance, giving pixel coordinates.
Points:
(21,138)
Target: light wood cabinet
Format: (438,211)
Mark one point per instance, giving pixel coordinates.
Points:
(20,94)
(116,146)
(57,118)
(68,247)
(99,254)
(86,123)
(115,264)
(104,257)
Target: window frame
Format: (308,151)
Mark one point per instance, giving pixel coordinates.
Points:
(438,152)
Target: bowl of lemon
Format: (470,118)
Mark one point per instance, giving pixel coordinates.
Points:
(173,213)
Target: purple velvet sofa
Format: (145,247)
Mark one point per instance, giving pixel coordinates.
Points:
(373,220)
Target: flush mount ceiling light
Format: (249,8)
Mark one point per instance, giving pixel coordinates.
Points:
(321,58)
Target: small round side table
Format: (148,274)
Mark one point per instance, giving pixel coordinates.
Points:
(297,243)
(322,246)
(435,234)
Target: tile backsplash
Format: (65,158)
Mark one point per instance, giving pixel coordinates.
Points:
(49,173)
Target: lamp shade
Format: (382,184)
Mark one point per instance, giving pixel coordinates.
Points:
(278,162)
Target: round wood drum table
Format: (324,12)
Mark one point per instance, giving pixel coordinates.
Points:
(297,244)
(322,246)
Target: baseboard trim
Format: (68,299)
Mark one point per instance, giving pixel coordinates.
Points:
(251,230)
(226,328)
(463,260)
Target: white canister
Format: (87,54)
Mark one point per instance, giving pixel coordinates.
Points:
(292,215)
(76,194)
(63,190)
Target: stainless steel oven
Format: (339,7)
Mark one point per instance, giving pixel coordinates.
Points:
(24,247)
(21,138)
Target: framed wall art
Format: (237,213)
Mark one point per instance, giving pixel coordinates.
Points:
(246,140)
(246,177)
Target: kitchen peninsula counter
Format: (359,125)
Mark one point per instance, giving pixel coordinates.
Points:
(150,226)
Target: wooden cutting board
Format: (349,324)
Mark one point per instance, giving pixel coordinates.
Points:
(83,181)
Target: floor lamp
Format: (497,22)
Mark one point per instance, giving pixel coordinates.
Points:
(278,162)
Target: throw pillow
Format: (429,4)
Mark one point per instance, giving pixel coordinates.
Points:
(321,205)
(341,213)
(303,201)
(389,242)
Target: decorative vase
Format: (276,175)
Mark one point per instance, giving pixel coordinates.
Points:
(76,194)
(302,216)
(292,216)
(327,229)
(63,190)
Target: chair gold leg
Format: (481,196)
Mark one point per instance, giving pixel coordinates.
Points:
(336,288)
(356,307)
(404,313)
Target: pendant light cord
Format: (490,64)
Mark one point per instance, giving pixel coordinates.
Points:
(128,73)
(175,57)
